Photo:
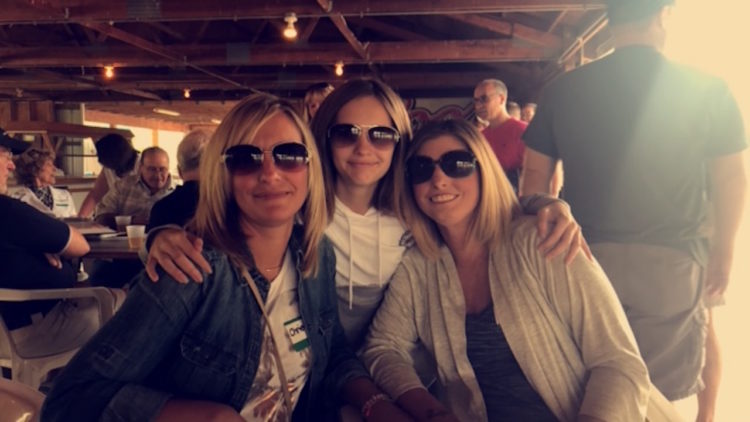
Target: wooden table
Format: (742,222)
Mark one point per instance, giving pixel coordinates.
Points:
(111,248)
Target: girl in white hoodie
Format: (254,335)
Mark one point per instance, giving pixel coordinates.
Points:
(361,131)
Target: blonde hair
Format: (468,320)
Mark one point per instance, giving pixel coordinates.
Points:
(497,202)
(322,89)
(30,163)
(217,216)
(386,194)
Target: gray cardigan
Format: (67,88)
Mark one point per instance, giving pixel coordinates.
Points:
(564,324)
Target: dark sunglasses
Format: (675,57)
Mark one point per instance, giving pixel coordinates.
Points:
(455,164)
(345,134)
(289,156)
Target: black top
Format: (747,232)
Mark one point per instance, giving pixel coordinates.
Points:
(507,394)
(176,208)
(635,132)
(26,234)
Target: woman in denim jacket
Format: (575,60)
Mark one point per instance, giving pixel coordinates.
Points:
(206,351)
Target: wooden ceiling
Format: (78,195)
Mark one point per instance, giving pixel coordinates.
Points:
(222,50)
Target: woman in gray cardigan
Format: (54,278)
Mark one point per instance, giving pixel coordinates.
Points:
(515,336)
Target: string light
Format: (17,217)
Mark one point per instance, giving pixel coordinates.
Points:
(109,72)
(186,93)
(339,69)
(290,32)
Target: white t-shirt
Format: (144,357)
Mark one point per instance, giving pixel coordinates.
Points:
(265,401)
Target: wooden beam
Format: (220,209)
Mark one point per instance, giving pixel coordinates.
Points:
(279,54)
(557,21)
(340,22)
(522,32)
(305,34)
(122,11)
(155,49)
(167,30)
(42,73)
(392,30)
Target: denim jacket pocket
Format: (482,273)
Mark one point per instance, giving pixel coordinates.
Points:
(207,355)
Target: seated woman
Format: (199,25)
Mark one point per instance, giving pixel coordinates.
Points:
(260,338)
(515,336)
(35,170)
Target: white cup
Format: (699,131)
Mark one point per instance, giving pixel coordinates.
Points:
(136,236)
(122,221)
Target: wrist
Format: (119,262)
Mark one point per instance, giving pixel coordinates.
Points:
(366,410)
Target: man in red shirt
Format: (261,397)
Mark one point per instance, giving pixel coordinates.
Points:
(504,132)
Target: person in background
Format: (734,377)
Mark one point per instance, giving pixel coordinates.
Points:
(528,112)
(515,336)
(118,159)
(503,133)
(35,249)
(179,206)
(314,96)
(135,194)
(35,171)
(260,338)
(514,110)
(650,149)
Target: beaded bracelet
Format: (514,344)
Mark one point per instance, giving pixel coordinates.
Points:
(367,407)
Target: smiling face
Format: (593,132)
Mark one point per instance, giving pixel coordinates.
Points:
(449,202)
(155,170)
(271,197)
(488,102)
(361,165)
(46,175)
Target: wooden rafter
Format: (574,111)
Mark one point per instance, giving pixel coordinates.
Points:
(280,54)
(522,32)
(118,10)
(392,30)
(47,74)
(142,44)
(306,32)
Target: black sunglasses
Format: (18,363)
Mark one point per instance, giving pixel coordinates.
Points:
(455,164)
(289,156)
(345,134)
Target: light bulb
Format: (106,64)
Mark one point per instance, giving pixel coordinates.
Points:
(109,72)
(339,70)
(290,32)
(186,93)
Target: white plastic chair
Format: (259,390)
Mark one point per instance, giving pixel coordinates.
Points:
(31,366)
(19,403)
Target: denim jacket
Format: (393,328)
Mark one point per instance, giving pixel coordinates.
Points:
(200,341)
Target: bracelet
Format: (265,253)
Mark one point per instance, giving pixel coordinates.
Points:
(531,204)
(367,407)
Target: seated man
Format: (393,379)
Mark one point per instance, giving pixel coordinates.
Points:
(134,195)
(179,206)
(33,251)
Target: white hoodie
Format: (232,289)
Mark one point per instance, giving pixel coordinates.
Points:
(367,249)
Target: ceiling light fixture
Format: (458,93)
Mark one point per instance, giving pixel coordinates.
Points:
(339,69)
(166,112)
(186,93)
(216,121)
(109,72)
(290,32)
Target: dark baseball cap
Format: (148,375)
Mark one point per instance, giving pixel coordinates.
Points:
(623,11)
(14,145)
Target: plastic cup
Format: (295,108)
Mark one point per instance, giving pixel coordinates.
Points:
(136,236)
(122,221)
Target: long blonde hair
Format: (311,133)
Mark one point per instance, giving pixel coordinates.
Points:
(217,216)
(386,193)
(497,202)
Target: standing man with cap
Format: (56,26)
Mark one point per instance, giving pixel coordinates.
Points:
(650,149)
